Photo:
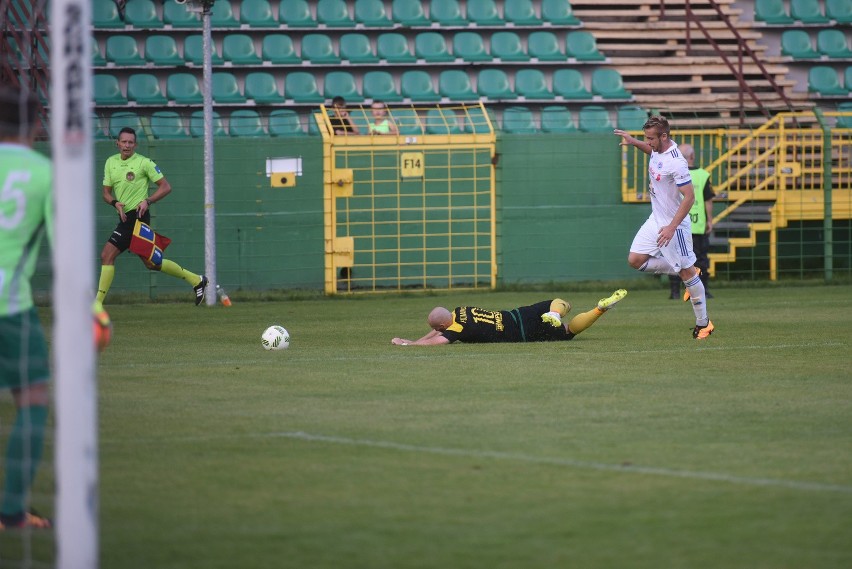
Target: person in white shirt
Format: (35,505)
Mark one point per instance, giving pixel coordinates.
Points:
(663,245)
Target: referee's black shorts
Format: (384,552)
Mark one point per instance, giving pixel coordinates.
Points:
(123,232)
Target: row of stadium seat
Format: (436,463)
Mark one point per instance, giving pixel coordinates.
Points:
(830,43)
(415,85)
(824,81)
(411,121)
(773,12)
(316,48)
(144,14)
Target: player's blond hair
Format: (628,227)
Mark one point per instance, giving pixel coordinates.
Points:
(658,122)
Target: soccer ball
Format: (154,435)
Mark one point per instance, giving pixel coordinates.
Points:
(275,338)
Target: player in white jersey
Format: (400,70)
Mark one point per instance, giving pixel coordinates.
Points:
(663,245)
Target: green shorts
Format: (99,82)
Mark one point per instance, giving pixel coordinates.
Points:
(23,351)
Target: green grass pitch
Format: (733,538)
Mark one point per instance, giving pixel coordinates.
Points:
(632,446)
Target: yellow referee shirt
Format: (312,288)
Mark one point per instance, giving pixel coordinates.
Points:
(130,178)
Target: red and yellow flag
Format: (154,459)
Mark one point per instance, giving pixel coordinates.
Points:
(147,244)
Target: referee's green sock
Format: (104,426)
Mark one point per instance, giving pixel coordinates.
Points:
(107,274)
(173,269)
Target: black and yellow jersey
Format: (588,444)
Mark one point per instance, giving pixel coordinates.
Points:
(471,324)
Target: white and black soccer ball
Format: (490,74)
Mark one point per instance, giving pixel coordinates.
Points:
(275,338)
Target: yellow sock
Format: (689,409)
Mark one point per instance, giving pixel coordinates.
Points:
(560,306)
(107,274)
(173,269)
(584,320)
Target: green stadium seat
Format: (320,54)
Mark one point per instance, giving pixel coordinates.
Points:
(823,81)
(239,50)
(301,87)
(193,51)
(107,91)
(105,15)
(372,14)
(844,122)
(544,46)
(262,88)
(442,121)
(246,123)
(581,45)
(797,44)
(631,117)
(183,89)
(98,59)
(519,120)
(356,48)
(832,42)
(393,48)
(608,83)
(771,12)
(521,13)
(317,48)
(98,130)
(334,14)
(839,10)
(594,118)
(409,13)
(162,50)
(532,84)
(557,119)
(474,121)
(380,86)
(144,89)
(313,127)
(285,122)
(847,78)
(142,14)
(807,12)
(506,46)
(222,15)
(178,16)
(417,85)
(568,83)
(407,121)
(483,13)
(341,84)
(196,124)
(558,13)
(296,14)
(226,89)
(168,124)
(470,47)
(257,14)
(124,119)
(432,48)
(454,84)
(123,51)
(447,13)
(278,49)
(494,84)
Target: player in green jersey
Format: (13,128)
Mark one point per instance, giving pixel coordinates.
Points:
(26,215)
(128,176)
(539,322)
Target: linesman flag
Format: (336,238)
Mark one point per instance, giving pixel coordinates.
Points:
(148,244)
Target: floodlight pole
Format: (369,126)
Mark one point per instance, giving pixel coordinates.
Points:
(209,194)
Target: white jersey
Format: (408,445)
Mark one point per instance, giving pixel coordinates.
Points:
(667,172)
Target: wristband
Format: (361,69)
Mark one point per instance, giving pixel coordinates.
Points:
(148,201)
(113,202)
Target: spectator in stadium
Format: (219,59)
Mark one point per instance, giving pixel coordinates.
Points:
(540,322)
(381,123)
(701,217)
(663,244)
(340,121)
(128,175)
(26,210)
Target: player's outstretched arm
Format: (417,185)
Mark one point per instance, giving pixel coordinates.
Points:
(433,338)
(628,140)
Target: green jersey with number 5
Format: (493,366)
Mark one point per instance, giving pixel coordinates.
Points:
(26,214)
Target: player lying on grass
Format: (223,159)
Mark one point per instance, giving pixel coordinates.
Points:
(540,322)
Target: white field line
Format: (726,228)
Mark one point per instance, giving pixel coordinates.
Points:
(580,464)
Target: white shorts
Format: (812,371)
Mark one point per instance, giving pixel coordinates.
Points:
(678,252)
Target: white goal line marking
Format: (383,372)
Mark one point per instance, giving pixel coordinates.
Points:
(599,466)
